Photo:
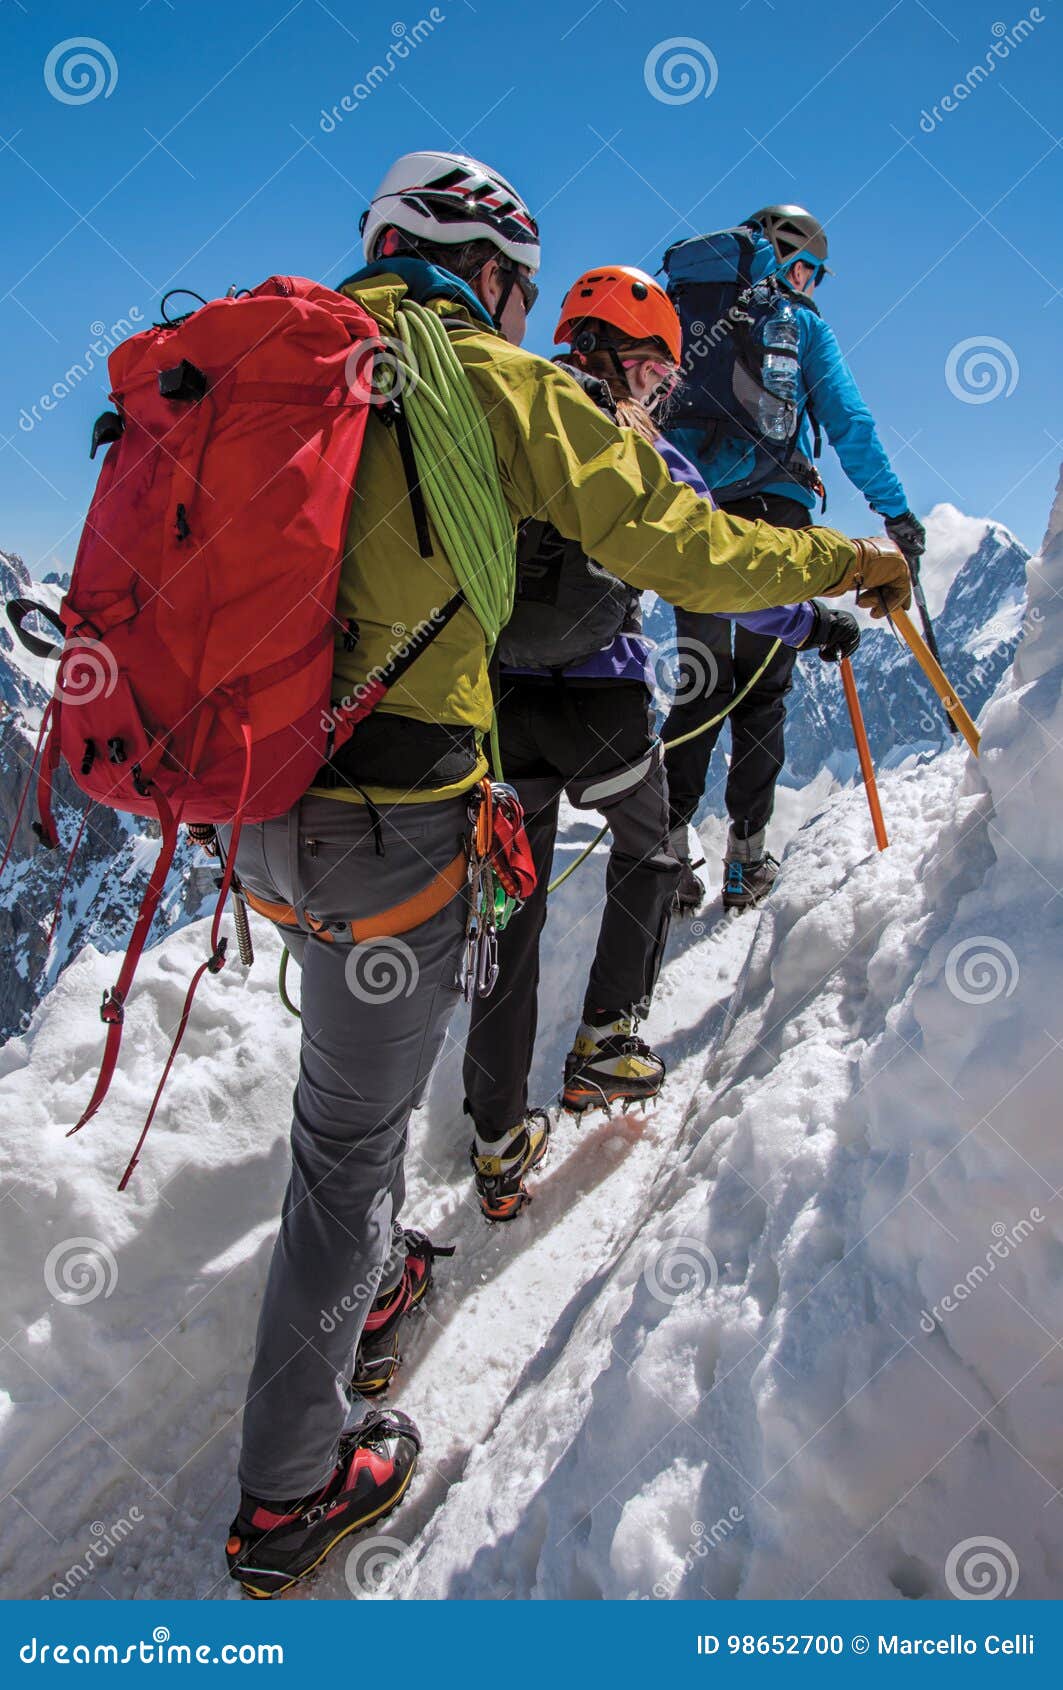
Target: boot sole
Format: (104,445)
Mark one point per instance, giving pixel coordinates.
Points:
(578,1103)
(380,1513)
(739,906)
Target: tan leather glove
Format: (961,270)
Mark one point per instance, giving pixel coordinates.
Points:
(878,575)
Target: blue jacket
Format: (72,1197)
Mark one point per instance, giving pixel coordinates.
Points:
(840,409)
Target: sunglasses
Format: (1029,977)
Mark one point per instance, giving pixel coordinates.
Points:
(529,290)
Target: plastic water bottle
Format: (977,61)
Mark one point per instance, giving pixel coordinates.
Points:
(779,373)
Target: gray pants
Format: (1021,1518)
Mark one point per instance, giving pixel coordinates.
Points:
(374,1019)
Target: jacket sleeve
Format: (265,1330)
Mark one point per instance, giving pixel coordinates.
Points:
(791,623)
(842,411)
(607,489)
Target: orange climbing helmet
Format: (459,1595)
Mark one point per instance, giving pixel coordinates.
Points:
(625,298)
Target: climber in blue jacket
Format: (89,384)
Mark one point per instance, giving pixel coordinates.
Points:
(745,478)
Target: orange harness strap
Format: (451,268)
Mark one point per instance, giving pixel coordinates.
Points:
(388,924)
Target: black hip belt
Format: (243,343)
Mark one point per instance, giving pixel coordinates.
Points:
(399,752)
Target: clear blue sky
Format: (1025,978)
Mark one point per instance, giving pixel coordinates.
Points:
(207,163)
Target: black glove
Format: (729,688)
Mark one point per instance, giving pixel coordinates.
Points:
(908,535)
(836,633)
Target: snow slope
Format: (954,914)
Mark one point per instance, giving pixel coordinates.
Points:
(747,1344)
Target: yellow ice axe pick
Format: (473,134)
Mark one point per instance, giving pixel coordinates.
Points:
(937,677)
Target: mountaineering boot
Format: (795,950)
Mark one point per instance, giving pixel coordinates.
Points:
(747,884)
(499,1165)
(609,1064)
(274,1544)
(689,894)
(378,1352)
(689,890)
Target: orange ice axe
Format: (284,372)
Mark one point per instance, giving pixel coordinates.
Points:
(863,751)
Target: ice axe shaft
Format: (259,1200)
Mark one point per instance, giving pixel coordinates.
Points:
(863,751)
(928,627)
(937,677)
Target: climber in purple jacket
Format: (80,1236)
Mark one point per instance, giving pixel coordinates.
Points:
(575,717)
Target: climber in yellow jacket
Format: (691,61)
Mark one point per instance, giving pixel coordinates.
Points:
(377,835)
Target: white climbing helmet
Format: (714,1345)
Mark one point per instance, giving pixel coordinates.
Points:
(449,199)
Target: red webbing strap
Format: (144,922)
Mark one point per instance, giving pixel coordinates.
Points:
(165,1075)
(45,719)
(113,1008)
(214,962)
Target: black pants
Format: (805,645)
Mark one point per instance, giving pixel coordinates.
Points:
(757,724)
(596,744)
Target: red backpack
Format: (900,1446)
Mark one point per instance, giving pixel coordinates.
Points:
(194,682)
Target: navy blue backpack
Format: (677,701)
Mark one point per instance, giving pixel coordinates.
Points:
(739,371)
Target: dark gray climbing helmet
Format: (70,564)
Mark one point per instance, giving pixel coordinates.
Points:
(793,233)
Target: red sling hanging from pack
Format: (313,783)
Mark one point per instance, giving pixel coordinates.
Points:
(214,962)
